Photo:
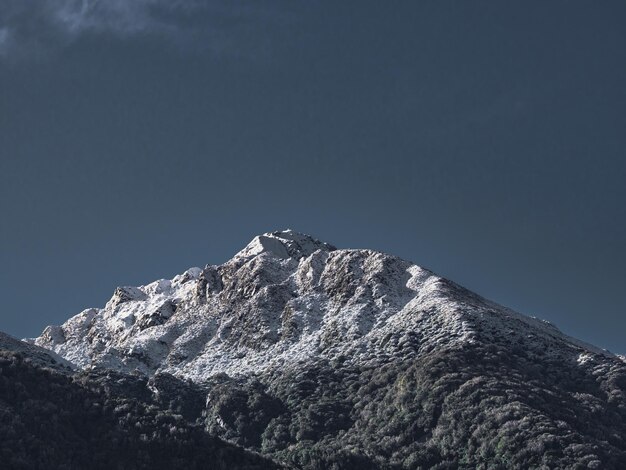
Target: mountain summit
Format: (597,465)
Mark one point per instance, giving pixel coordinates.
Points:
(305,350)
(284,244)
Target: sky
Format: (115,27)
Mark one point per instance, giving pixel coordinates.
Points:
(482,140)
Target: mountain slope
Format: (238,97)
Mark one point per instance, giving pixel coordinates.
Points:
(51,418)
(323,357)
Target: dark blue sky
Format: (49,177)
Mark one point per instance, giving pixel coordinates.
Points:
(483,140)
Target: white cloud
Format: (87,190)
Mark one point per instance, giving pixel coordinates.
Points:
(122,17)
(5,38)
(28,26)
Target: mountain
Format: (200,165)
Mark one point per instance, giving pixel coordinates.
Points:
(332,358)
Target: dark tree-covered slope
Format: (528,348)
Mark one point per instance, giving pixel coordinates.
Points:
(475,406)
(50,420)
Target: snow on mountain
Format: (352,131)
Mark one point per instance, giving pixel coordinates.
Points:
(287,299)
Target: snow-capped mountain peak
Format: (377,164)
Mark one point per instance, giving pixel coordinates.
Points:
(284,244)
(288,299)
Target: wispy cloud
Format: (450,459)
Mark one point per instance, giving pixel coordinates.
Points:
(33,27)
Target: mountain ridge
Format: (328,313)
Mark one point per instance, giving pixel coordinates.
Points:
(277,270)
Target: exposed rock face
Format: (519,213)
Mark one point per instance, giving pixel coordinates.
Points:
(306,350)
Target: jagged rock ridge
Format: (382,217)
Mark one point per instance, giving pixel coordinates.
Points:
(283,299)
